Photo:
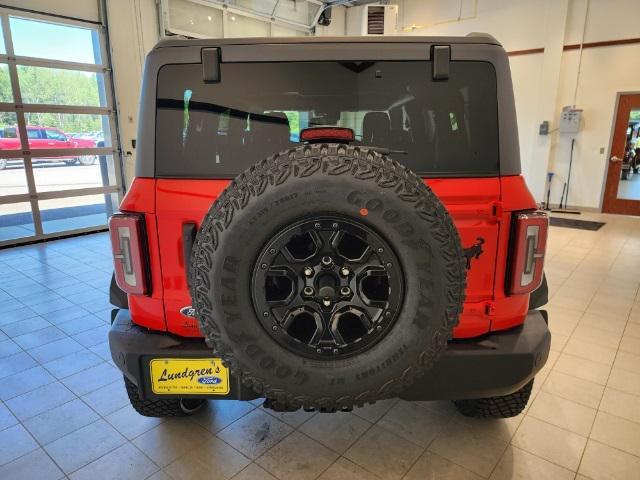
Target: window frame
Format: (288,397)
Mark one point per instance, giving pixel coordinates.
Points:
(19,108)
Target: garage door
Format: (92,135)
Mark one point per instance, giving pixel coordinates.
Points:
(59,170)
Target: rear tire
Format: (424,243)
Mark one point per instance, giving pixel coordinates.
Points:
(506,406)
(87,160)
(176,407)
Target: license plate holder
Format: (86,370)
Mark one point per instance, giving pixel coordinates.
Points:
(188,376)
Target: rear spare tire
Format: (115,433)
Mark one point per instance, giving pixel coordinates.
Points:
(327,276)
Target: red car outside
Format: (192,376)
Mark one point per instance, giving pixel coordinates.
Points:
(50,138)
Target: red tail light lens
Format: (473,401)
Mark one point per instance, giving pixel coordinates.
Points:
(327,134)
(529,243)
(127,243)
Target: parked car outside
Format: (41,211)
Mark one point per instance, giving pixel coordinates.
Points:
(50,138)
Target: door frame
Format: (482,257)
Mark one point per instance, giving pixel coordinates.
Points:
(609,202)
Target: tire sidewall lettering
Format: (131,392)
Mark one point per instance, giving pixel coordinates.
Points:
(391,216)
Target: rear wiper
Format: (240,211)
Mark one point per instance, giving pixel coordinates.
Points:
(388,151)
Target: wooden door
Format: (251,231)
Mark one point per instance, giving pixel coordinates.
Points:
(622,188)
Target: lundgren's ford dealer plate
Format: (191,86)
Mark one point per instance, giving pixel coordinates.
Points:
(189,376)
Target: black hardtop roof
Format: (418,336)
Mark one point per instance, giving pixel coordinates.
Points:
(475,47)
(472,38)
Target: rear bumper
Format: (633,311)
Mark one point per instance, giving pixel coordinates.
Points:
(495,364)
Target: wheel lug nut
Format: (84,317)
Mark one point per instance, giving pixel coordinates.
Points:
(317,225)
(308,271)
(379,328)
(318,350)
(344,271)
(345,291)
(263,266)
(308,291)
(265,314)
(274,328)
(335,226)
(326,261)
(326,302)
(380,250)
(272,251)
(388,265)
(335,351)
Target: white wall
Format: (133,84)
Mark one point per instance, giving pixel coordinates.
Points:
(133,31)
(604,71)
(545,82)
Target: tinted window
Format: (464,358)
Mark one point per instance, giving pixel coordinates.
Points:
(220,129)
(55,135)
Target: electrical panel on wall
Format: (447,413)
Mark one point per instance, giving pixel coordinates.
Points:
(570,119)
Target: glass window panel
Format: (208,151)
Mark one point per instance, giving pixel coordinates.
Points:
(259,108)
(296,11)
(71,213)
(195,18)
(241,26)
(8,132)
(67,130)
(57,86)
(54,174)
(629,184)
(6,93)
(16,221)
(262,6)
(35,38)
(3,49)
(13,180)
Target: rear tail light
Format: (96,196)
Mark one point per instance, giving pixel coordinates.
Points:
(528,246)
(128,245)
(327,134)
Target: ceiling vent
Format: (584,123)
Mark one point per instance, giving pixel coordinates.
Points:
(375,20)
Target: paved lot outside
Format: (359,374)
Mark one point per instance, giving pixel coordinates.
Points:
(64,411)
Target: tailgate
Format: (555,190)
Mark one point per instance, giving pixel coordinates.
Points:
(473,204)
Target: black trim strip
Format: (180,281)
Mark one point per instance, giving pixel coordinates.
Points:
(172,104)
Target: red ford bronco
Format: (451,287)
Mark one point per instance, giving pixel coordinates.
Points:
(327,222)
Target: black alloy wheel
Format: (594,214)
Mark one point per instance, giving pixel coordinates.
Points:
(327,287)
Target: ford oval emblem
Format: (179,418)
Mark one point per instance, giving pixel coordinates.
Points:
(209,380)
(188,311)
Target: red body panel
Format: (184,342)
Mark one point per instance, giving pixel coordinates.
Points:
(480,207)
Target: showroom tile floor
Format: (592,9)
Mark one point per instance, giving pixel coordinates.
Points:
(64,411)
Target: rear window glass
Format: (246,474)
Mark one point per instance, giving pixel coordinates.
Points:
(220,129)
